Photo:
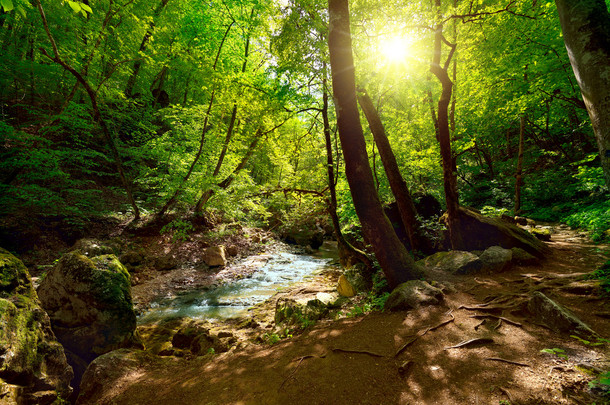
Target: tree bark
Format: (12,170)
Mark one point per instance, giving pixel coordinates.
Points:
(348,255)
(399,188)
(444,133)
(394,259)
(519,178)
(586,31)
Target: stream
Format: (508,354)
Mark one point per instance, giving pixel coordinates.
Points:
(233,299)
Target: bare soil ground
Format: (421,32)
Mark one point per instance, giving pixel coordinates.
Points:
(404,357)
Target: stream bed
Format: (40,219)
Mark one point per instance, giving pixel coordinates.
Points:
(233,299)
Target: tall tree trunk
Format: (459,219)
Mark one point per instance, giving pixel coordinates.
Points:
(131,82)
(519,179)
(348,255)
(399,188)
(394,259)
(586,31)
(96,112)
(444,134)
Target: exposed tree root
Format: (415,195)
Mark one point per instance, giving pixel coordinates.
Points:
(338,349)
(423,332)
(470,342)
(516,363)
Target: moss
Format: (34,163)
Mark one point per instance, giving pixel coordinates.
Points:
(14,276)
(21,336)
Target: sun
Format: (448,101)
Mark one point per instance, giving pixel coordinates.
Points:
(396,49)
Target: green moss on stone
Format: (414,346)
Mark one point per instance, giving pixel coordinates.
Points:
(14,276)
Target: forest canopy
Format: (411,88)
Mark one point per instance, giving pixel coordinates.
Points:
(128,108)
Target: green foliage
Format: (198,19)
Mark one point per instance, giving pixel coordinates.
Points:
(595,218)
(603,274)
(557,352)
(179,229)
(493,211)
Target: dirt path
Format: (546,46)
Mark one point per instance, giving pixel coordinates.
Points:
(404,357)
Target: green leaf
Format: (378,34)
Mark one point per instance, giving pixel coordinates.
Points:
(7,5)
(75,6)
(86,8)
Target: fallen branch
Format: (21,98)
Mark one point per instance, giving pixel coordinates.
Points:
(470,343)
(516,363)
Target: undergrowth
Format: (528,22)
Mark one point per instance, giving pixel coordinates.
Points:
(603,274)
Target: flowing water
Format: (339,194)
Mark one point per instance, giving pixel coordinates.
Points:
(233,299)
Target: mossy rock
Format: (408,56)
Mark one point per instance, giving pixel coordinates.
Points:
(541,233)
(89,302)
(480,232)
(455,262)
(30,356)
(14,277)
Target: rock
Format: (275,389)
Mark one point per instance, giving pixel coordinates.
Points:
(356,276)
(215,256)
(232,250)
(523,258)
(556,317)
(326,298)
(541,233)
(344,288)
(305,237)
(33,365)
(89,303)
(413,294)
(496,259)
(184,338)
(482,232)
(456,262)
(132,257)
(520,220)
(295,312)
(92,247)
(164,263)
(427,206)
(106,371)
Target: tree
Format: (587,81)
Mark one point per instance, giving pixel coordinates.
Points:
(407,211)
(394,259)
(586,31)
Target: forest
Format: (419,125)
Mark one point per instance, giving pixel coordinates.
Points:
(409,133)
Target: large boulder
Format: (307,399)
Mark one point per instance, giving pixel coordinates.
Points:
(480,232)
(106,371)
(455,262)
(89,303)
(496,259)
(412,295)
(33,366)
(556,317)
